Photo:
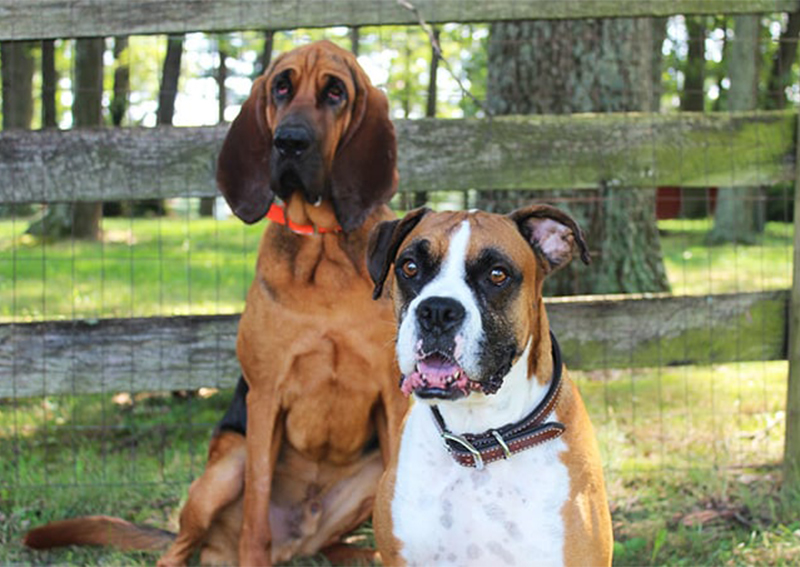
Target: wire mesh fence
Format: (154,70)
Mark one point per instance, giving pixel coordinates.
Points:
(694,379)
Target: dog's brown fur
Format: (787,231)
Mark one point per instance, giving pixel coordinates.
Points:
(315,349)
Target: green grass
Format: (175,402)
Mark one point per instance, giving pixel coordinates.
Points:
(692,453)
(147,267)
(143,267)
(694,268)
(677,442)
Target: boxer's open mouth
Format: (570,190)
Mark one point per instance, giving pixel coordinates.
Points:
(437,375)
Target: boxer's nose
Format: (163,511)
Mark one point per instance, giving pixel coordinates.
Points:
(440,314)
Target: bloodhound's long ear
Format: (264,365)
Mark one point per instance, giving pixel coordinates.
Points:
(364,169)
(384,242)
(552,234)
(243,162)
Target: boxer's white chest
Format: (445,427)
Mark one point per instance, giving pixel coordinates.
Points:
(509,513)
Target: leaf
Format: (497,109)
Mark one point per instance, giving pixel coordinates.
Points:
(658,543)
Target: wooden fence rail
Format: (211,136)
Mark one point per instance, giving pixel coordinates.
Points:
(49,19)
(516,152)
(153,354)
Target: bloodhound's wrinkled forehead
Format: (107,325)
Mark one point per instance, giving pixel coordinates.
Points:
(306,72)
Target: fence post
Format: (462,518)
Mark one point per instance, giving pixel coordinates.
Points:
(791,454)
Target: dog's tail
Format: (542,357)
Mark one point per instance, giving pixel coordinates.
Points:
(99,530)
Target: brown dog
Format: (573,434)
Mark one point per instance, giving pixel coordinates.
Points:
(497,462)
(320,382)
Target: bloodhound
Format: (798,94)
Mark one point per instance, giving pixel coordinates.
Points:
(295,462)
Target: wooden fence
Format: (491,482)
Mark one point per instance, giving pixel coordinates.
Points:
(627,149)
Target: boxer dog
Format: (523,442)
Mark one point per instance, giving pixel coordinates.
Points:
(497,462)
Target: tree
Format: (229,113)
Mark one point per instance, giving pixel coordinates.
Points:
(421,197)
(207,203)
(355,38)
(170,73)
(735,217)
(49,84)
(780,76)
(17,58)
(18,63)
(87,110)
(117,109)
(564,67)
(167,93)
(693,94)
(79,219)
(122,81)
(692,99)
(266,54)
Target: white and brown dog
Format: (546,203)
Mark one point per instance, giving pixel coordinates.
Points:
(497,461)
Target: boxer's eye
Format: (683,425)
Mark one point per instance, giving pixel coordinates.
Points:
(409,268)
(498,276)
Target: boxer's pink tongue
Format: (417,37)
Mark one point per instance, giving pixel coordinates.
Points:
(436,370)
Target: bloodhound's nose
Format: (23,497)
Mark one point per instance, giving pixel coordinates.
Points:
(440,314)
(292,141)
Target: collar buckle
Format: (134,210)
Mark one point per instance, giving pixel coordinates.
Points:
(461,440)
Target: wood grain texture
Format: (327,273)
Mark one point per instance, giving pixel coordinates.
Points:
(156,354)
(43,19)
(510,152)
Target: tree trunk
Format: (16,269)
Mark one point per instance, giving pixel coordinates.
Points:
(573,66)
(17,89)
(355,37)
(49,84)
(693,95)
(170,74)
(167,92)
(122,81)
(693,203)
(207,203)
(736,215)
(18,62)
(87,111)
(659,33)
(421,197)
(79,219)
(782,61)
(117,109)
(266,54)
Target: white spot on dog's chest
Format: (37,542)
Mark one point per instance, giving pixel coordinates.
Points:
(507,514)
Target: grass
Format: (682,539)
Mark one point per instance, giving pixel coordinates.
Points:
(692,452)
(151,267)
(143,267)
(694,268)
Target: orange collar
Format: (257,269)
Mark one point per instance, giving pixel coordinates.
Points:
(276,214)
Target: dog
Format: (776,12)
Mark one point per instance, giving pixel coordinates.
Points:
(497,461)
(296,460)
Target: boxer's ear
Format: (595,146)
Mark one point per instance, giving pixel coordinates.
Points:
(552,234)
(384,242)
